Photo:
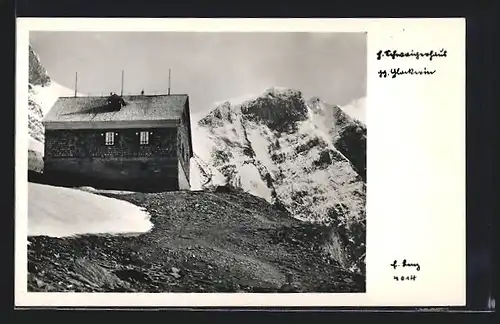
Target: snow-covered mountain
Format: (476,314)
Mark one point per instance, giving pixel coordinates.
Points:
(306,156)
(42,94)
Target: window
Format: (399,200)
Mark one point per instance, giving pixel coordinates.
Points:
(144,138)
(110,138)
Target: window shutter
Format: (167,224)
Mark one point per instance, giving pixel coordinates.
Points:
(152,136)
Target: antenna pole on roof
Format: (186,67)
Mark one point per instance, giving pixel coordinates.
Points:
(76,82)
(121,93)
(169,82)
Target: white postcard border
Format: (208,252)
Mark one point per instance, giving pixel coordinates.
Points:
(415,164)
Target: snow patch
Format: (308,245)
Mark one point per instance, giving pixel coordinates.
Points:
(251,182)
(260,142)
(64,212)
(105,191)
(47,96)
(195,175)
(35,145)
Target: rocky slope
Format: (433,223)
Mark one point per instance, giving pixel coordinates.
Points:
(42,94)
(38,78)
(200,242)
(304,156)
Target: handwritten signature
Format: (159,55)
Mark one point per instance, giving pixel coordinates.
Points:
(405,264)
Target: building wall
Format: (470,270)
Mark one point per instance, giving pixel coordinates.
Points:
(183,179)
(80,157)
(184,151)
(91,143)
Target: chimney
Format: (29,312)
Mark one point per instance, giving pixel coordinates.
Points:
(169,82)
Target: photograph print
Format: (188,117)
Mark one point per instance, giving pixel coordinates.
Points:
(200,162)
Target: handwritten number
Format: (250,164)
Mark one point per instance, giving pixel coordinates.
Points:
(407,278)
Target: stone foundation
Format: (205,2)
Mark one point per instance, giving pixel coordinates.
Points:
(135,174)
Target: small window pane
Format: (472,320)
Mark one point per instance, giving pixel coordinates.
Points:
(110,138)
(144,139)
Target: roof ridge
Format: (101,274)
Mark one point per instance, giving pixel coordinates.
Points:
(88,108)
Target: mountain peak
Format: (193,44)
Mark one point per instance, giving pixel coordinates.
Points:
(247,99)
(37,73)
(282,91)
(316,105)
(279,108)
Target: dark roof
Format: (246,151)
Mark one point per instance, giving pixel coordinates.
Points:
(137,107)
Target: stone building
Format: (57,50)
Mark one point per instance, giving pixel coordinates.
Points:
(138,142)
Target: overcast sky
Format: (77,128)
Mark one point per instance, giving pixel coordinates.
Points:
(209,67)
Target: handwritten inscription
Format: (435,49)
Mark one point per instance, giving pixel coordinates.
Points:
(395,72)
(405,264)
(395,54)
